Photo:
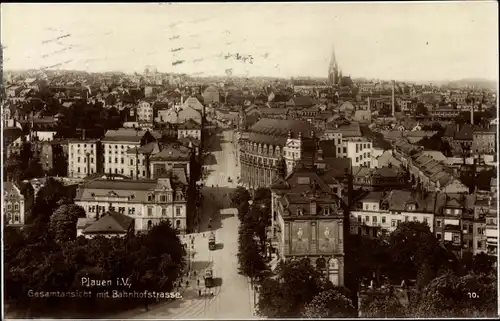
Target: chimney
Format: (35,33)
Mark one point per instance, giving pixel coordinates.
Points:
(393,104)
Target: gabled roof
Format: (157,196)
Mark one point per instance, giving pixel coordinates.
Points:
(111,222)
(465,133)
(173,152)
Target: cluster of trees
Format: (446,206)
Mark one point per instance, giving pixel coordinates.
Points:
(25,165)
(376,137)
(436,143)
(413,253)
(445,285)
(297,289)
(254,218)
(47,256)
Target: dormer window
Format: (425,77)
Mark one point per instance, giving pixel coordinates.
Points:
(327,211)
(150,197)
(411,207)
(300,212)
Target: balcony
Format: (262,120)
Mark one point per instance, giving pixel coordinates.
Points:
(450,227)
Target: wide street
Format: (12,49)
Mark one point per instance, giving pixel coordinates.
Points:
(232,296)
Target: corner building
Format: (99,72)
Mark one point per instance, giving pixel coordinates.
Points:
(266,142)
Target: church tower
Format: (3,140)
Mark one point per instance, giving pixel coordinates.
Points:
(333,69)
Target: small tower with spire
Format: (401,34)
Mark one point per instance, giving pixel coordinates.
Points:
(333,69)
(281,168)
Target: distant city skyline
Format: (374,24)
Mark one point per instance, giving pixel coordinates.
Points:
(403,41)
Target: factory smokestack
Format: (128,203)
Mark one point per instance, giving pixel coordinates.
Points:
(393,104)
(472,114)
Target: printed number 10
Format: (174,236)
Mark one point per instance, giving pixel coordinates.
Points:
(473,295)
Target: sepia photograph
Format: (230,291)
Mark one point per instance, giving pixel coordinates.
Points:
(245,160)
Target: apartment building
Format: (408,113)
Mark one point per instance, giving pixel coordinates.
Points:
(117,143)
(85,157)
(189,128)
(18,202)
(384,211)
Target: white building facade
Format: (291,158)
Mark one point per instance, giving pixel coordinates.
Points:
(84,158)
(148,202)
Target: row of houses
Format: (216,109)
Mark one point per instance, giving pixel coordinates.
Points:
(466,223)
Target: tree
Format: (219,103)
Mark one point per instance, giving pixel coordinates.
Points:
(13,168)
(451,296)
(34,170)
(383,305)
(287,294)
(47,198)
(411,245)
(250,261)
(421,110)
(331,303)
(483,263)
(63,222)
(240,196)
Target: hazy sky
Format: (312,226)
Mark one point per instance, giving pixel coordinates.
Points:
(403,41)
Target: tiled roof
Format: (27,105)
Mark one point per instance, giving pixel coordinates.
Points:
(112,222)
(189,124)
(171,152)
(465,133)
(276,127)
(267,139)
(146,149)
(124,135)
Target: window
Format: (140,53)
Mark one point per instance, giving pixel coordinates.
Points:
(131,210)
(9,206)
(16,207)
(456,238)
(479,231)
(163,198)
(164,211)
(438,223)
(122,160)
(131,162)
(415,219)
(116,170)
(374,207)
(131,173)
(121,210)
(383,219)
(116,160)
(109,160)
(426,221)
(374,219)
(78,169)
(359,219)
(150,211)
(144,173)
(150,225)
(122,170)
(367,218)
(366,207)
(399,222)
(92,160)
(150,197)
(178,224)
(393,223)
(178,211)
(78,159)
(438,236)
(406,218)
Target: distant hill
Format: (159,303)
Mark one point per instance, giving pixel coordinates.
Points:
(472,82)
